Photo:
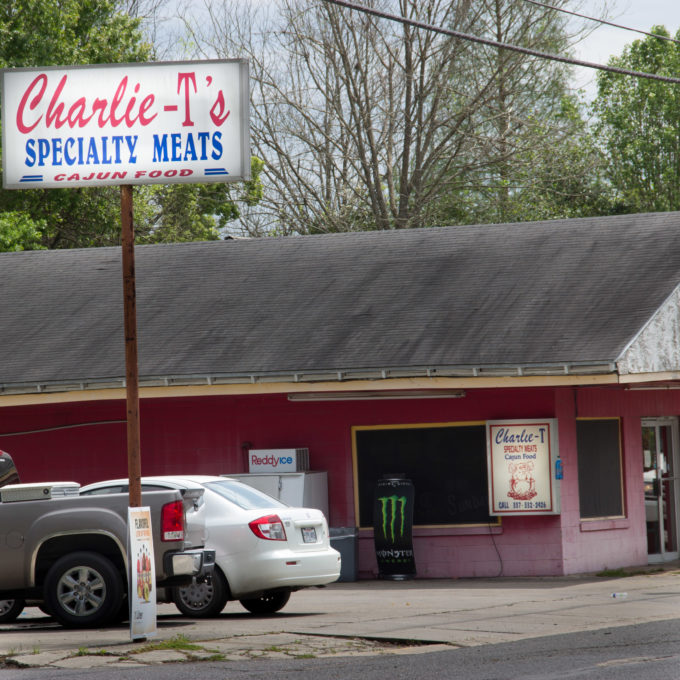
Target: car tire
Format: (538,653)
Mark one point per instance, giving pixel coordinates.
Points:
(10,610)
(269,603)
(203,600)
(83,589)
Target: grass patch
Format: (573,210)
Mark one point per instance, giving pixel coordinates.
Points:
(215,657)
(182,644)
(179,642)
(621,573)
(84,651)
(612,573)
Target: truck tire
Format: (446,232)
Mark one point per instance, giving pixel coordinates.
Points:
(10,610)
(269,603)
(203,600)
(83,589)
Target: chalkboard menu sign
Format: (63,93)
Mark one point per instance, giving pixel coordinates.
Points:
(446,463)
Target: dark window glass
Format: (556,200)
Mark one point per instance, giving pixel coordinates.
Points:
(447,466)
(599,468)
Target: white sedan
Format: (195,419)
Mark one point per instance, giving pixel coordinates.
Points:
(264,548)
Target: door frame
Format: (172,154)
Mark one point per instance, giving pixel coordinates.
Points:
(672,421)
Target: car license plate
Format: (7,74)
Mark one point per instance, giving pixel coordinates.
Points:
(309,534)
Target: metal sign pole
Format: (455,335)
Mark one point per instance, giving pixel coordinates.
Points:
(131,367)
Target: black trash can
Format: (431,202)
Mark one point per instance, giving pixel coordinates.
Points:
(344,540)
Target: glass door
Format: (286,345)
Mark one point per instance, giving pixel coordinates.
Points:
(660,463)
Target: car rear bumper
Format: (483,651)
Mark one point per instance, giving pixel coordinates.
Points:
(281,569)
(182,567)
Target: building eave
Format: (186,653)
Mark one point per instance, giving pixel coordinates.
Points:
(394,378)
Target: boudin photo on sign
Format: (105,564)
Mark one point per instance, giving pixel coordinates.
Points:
(523,461)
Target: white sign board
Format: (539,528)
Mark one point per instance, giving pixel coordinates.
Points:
(142,574)
(125,124)
(272,460)
(522,459)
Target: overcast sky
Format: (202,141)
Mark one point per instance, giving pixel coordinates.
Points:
(606,41)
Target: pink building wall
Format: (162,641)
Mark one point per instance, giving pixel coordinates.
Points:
(211,434)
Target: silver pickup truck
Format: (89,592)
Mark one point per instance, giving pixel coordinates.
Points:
(67,553)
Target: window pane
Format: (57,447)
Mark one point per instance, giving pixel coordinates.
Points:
(447,466)
(599,468)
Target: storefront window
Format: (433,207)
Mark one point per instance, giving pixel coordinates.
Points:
(600,478)
(446,463)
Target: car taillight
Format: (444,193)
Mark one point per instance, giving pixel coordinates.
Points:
(172,521)
(269,527)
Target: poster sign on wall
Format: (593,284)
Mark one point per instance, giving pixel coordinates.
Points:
(523,459)
(142,574)
(125,124)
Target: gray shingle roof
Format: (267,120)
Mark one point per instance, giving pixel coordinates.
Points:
(536,293)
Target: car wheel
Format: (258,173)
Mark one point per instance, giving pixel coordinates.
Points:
(83,589)
(10,610)
(269,603)
(203,600)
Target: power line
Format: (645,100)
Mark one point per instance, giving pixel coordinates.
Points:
(602,21)
(502,45)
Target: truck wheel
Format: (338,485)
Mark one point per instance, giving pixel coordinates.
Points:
(83,589)
(269,603)
(203,600)
(10,610)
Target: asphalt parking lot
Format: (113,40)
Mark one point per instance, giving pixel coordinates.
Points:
(365,617)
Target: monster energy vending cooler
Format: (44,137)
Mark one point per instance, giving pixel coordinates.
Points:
(393,527)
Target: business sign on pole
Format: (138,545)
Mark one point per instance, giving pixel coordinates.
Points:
(141,574)
(522,458)
(161,123)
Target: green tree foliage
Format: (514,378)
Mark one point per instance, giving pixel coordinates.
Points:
(639,126)
(193,212)
(557,171)
(18,232)
(64,32)
(68,32)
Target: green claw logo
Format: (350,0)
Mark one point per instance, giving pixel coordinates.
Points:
(389,506)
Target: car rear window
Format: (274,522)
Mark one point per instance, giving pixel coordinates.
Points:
(243,495)
(104,490)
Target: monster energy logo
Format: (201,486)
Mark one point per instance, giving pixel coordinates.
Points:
(389,507)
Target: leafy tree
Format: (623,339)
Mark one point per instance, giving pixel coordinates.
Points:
(639,126)
(563,174)
(65,32)
(557,171)
(18,232)
(193,212)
